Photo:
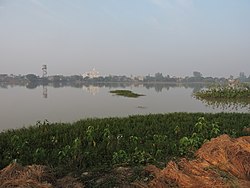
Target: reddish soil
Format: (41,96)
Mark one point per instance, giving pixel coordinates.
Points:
(221,162)
(34,176)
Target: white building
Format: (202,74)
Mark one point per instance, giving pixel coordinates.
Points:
(92,74)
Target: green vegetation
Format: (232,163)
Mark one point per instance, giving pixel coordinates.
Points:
(239,92)
(226,97)
(126,93)
(102,143)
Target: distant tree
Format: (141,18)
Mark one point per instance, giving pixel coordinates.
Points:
(159,77)
(148,78)
(197,74)
(86,78)
(76,78)
(56,78)
(32,77)
(242,77)
(231,77)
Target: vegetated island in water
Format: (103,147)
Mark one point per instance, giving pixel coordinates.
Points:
(241,91)
(126,93)
(226,97)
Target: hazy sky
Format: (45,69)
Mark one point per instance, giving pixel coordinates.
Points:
(137,37)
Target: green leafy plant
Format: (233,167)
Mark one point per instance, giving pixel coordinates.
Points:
(203,131)
(101,143)
(120,157)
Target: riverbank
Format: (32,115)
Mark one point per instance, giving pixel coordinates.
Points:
(96,146)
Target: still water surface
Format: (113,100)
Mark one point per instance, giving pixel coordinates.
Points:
(22,107)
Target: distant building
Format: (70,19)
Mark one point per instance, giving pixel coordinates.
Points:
(92,74)
(233,83)
(139,78)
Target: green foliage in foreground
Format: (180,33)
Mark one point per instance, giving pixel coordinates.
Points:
(126,93)
(101,143)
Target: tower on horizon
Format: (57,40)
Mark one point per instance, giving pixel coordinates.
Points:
(44,68)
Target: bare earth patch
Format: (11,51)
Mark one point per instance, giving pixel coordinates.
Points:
(37,176)
(222,162)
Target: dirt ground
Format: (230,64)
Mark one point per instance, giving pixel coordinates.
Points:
(34,176)
(221,162)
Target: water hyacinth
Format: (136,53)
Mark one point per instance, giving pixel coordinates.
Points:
(226,97)
(225,92)
(134,140)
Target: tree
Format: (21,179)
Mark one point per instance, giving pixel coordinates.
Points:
(242,77)
(197,74)
(31,77)
(159,76)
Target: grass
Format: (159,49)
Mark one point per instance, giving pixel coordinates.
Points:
(126,93)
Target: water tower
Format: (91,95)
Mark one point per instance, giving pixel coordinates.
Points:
(45,90)
(44,68)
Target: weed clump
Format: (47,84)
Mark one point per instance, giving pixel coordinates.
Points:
(126,93)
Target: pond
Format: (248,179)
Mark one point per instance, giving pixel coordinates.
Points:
(21,106)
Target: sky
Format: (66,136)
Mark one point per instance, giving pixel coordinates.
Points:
(125,37)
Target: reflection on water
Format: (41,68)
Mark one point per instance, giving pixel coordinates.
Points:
(226,104)
(45,92)
(94,88)
(23,105)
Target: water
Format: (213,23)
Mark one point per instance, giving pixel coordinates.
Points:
(22,107)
